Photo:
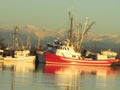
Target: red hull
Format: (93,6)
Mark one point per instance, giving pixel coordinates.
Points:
(54,59)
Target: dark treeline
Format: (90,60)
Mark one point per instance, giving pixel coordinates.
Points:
(2,44)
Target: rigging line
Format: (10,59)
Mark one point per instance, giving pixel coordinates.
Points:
(62,26)
(59,31)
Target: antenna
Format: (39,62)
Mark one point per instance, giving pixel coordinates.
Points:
(71,27)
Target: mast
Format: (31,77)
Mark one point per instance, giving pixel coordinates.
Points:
(15,39)
(79,27)
(71,28)
(84,29)
(28,43)
(38,46)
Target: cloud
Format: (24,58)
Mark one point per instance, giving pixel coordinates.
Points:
(41,33)
(108,36)
(117,41)
(31,27)
(35,30)
(102,37)
(6,29)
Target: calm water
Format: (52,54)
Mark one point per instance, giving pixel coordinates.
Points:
(27,76)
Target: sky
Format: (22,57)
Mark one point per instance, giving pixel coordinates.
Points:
(53,14)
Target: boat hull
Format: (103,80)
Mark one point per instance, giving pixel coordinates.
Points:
(28,59)
(54,59)
(40,57)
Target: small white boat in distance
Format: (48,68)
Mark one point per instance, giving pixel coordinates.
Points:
(20,56)
(18,52)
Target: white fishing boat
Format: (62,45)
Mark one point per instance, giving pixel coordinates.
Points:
(110,54)
(20,56)
(17,53)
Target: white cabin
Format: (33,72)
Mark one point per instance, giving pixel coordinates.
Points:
(67,51)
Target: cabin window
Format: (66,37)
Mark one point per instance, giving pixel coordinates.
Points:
(73,55)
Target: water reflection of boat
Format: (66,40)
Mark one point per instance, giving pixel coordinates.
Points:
(51,68)
(15,75)
(18,67)
(71,77)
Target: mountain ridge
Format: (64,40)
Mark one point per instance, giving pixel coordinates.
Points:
(47,35)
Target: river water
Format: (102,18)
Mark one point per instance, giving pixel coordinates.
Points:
(28,76)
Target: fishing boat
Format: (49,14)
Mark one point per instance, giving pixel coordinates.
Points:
(109,53)
(19,56)
(70,50)
(1,55)
(17,53)
(55,59)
